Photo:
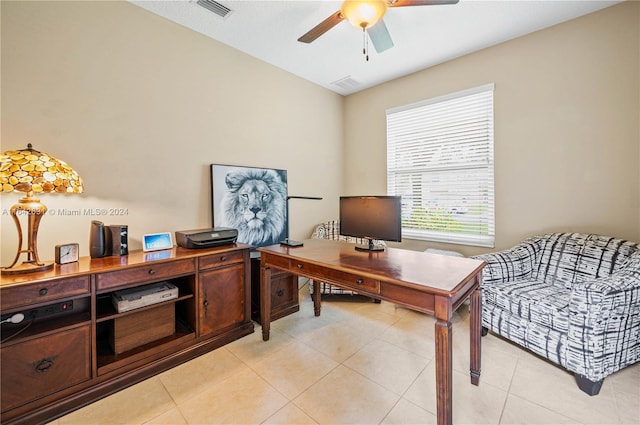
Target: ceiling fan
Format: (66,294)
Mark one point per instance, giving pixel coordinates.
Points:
(367,15)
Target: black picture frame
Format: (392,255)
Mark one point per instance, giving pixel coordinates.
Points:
(252,200)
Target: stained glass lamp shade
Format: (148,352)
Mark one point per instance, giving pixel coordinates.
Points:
(33,172)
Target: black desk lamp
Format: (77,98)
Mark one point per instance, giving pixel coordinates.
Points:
(287,241)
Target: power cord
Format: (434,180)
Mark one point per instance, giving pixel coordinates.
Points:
(16,318)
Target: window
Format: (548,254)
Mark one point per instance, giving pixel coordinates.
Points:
(440,160)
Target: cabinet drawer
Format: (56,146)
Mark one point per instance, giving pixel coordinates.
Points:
(41,366)
(284,290)
(349,280)
(221,259)
(17,296)
(143,274)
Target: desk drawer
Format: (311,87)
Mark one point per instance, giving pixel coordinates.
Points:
(221,259)
(20,295)
(139,275)
(280,262)
(324,274)
(42,366)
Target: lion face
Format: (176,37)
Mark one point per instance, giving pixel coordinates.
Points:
(253,202)
(256,205)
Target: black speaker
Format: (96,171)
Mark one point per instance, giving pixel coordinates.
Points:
(99,240)
(119,239)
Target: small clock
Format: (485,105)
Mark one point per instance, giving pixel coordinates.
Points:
(67,253)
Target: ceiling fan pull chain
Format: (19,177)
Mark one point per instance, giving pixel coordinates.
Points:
(365,44)
(364,52)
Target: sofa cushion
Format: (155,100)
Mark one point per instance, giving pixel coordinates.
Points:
(546,304)
(566,258)
(542,340)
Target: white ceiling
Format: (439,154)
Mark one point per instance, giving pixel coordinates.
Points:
(424,36)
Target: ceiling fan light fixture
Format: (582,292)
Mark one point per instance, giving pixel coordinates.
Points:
(363,14)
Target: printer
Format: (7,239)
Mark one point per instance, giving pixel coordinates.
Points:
(206,238)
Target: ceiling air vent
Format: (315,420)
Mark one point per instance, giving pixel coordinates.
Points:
(347,83)
(215,7)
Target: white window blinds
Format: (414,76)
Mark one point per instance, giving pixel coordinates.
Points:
(440,160)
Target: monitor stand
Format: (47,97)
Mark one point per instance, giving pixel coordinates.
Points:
(370,247)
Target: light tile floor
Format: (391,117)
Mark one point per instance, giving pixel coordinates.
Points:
(362,363)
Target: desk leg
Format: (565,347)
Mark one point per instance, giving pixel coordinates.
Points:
(265,301)
(444,362)
(317,297)
(475,311)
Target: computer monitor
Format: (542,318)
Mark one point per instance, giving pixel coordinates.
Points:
(371,217)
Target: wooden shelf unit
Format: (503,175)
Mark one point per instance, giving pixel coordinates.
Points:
(58,361)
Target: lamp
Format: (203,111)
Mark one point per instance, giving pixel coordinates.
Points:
(287,241)
(363,14)
(32,172)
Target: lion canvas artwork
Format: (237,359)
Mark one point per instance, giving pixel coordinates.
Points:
(251,200)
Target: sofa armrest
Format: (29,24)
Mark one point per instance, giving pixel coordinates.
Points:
(604,322)
(511,264)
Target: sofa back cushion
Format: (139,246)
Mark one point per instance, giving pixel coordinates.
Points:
(573,257)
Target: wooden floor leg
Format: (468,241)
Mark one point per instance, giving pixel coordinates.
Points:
(444,372)
(476,339)
(317,298)
(265,301)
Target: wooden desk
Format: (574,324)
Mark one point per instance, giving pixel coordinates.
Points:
(430,283)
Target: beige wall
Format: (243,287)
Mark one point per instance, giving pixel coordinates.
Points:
(140,107)
(567,132)
(128,98)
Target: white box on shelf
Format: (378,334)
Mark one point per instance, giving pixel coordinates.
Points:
(141,296)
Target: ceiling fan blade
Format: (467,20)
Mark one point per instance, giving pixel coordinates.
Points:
(380,36)
(402,3)
(322,27)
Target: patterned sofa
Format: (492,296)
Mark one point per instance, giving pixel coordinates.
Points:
(331,230)
(570,297)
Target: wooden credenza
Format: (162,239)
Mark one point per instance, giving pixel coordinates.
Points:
(61,356)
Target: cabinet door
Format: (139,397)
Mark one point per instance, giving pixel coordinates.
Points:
(221,298)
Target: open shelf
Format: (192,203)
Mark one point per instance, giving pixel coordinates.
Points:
(25,331)
(126,337)
(109,361)
(106,310)
(47,320)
